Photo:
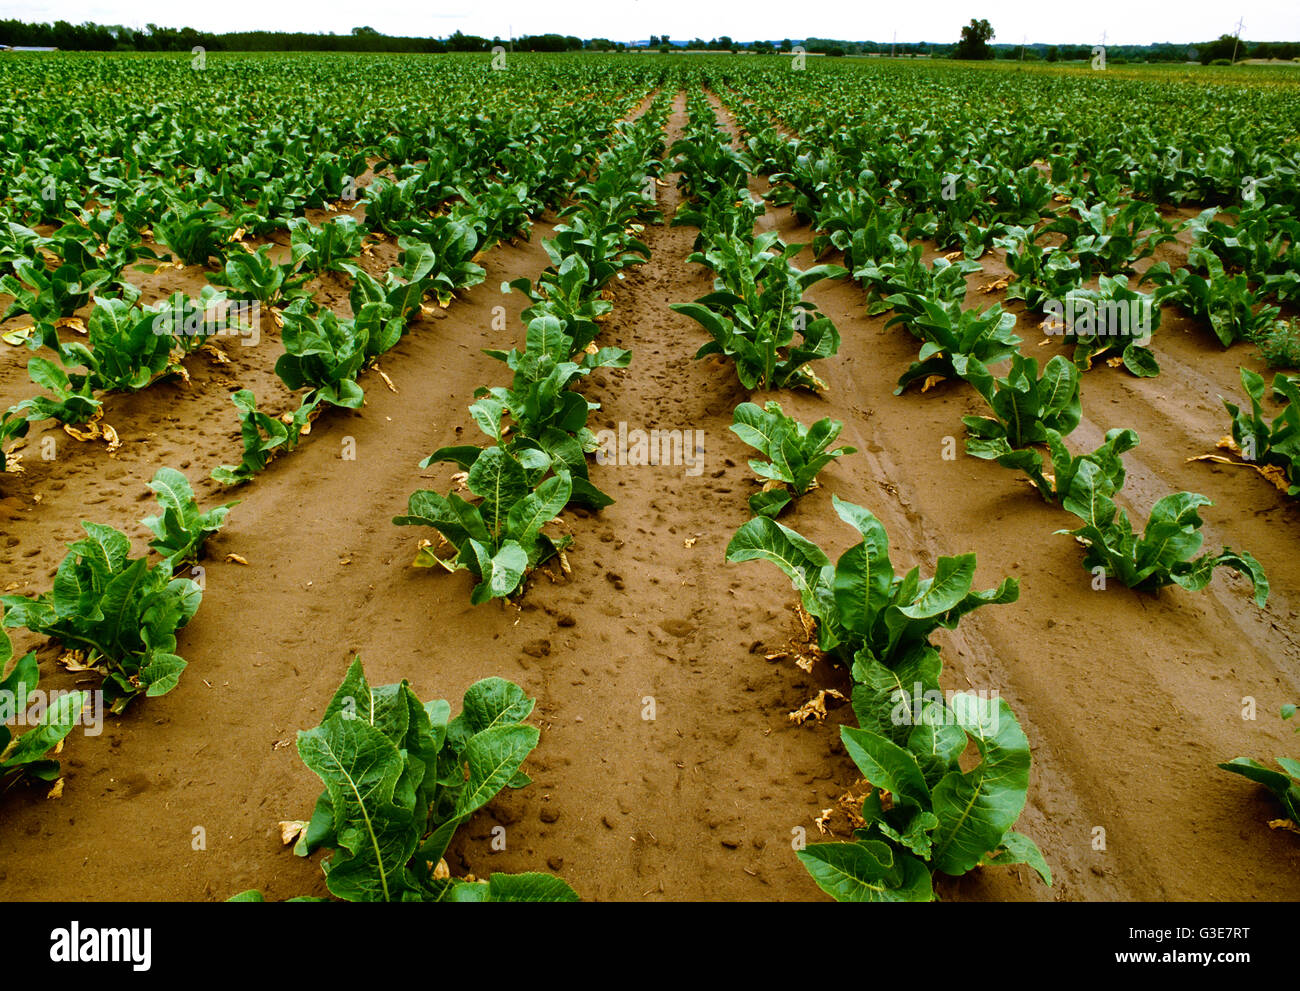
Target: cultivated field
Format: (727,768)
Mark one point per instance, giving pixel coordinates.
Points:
(947,621)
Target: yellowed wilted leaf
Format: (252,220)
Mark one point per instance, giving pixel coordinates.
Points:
(75,660)
(850,804)
(806,621)
(1286,824)
(689,541)
(1275,475)
(1114,362)
(387,381)
(815,708)
(236,559)
(993,286)
(57,790)
(291,829)
(73,324)
(930,382)
(441,872)
(426,557)
(215,353)
(564,564)
(953,256)
(89,432)
(824,818)
(16,337)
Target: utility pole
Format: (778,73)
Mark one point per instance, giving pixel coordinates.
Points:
(1023,42)
(1237,40)
(893,47)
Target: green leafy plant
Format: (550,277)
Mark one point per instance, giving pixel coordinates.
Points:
(499,538)
(924,811)
(1107,319)
(1163,553)
(324,248)
(323,354)
(795,453)
(194,234)
(1042,272)
(181,530)
(564,292)
(1279,345)
(264,437)
(253,275)
(404,286)
(123,613)
(25,754)
(1284,784)
(953,336)
(68,403)
(1025,406)
(47,296)
(1057,485)
(763,345)
(909,741)
(455,244)
(864,611)
(1234,311)
(128,348)
(1105,241)
(401,777)
(1261,442)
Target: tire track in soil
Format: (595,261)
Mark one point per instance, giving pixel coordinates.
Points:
(1128,700)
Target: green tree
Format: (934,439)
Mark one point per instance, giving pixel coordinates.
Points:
(975,38)
(1221,49)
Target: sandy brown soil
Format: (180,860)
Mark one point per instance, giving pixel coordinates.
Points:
(1129,700)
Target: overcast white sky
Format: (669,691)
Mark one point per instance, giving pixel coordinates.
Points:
(1049,21)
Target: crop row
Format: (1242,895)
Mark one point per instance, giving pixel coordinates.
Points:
(923,812)
(401,778)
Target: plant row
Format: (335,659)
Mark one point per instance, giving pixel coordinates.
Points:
(535,463)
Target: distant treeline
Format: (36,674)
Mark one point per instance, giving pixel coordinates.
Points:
(115,37)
